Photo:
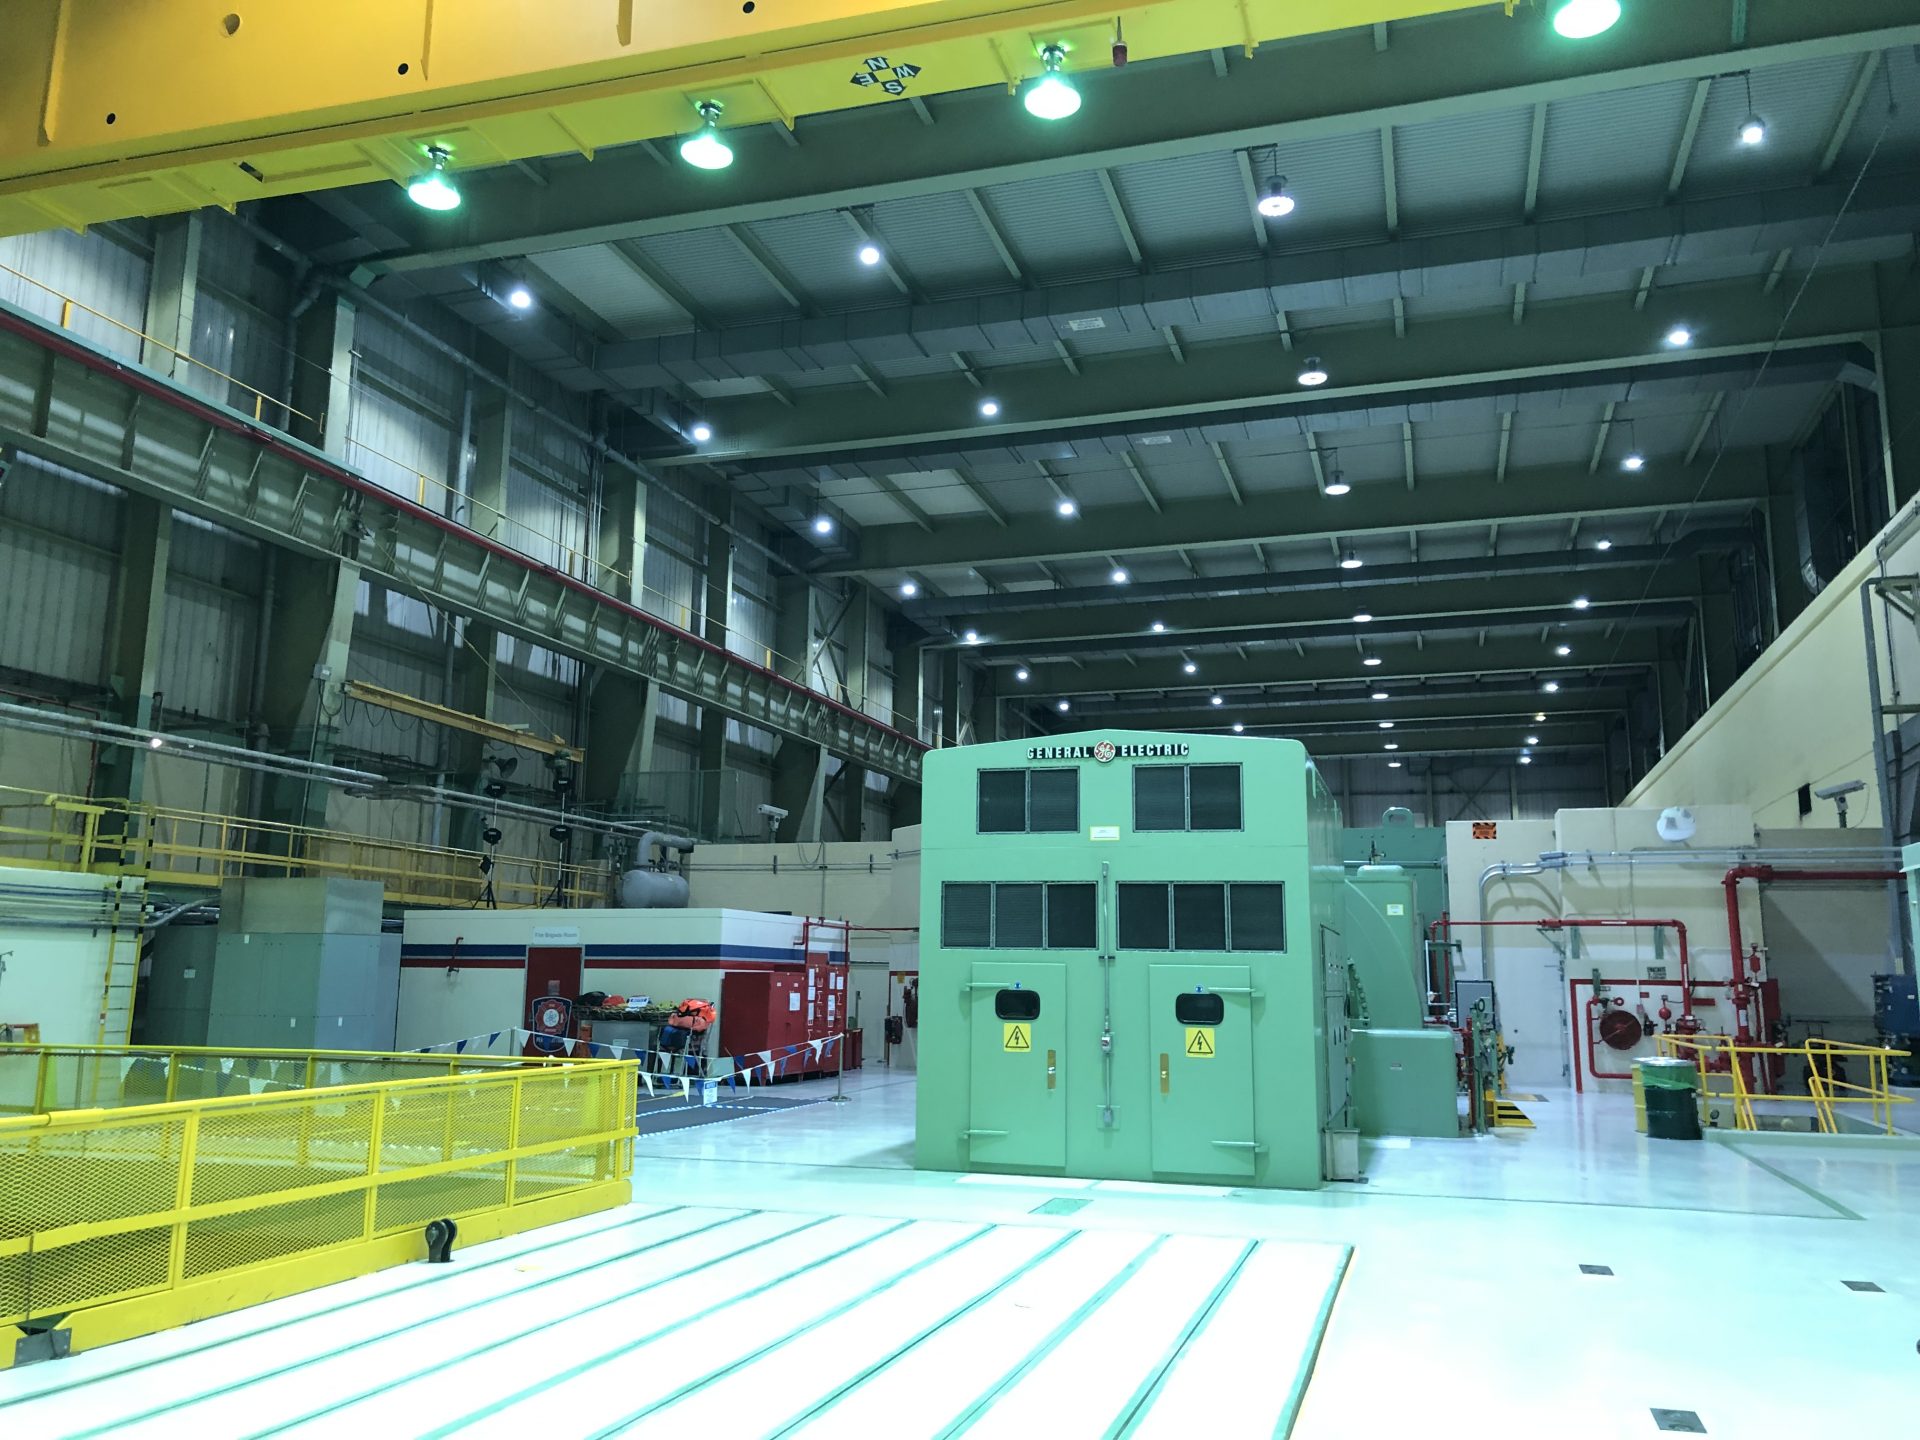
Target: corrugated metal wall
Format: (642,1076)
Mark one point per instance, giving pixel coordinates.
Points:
(88,269)
(59,548)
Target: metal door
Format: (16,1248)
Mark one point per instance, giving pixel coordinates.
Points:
(1017,1101)
(1200,1040)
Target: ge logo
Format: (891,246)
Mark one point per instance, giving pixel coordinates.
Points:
(1104,751)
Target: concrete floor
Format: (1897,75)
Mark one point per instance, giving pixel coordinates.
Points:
(819,1286)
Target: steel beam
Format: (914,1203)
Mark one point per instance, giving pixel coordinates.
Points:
(1235,390)
(71,403)
(1493,259)
(1446,657)
(1284,94)
(1463,501)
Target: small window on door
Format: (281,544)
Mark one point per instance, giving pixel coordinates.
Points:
(1199,1009)
(1017,1004)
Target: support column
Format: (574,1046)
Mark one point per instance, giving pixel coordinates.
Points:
(852,778)
(623,535)
(948,689)
(984,705)
(170,298)
(622,715)
(139,617)
(716,599)
(308,638)
(1900,409)
(309,630)
(909,687)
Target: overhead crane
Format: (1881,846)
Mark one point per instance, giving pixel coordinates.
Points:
(110,110)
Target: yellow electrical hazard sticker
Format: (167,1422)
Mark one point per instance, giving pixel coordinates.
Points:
(1200,1042)
(1016,1039)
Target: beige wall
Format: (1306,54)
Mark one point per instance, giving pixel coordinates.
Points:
(1801,715)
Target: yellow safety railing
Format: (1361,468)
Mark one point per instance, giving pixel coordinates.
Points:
(432,493)
(272,1193)
(1723,1076)
(170,846)
(41,1079)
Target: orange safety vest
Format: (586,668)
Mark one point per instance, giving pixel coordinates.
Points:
(694,1015)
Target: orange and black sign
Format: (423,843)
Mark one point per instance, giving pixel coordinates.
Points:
(1485,830)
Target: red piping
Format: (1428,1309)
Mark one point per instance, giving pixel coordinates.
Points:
(267,440)
(1573,1000)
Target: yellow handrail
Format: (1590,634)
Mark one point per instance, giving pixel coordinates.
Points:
(1824,1092)
(114,1204)
(575,562)
(171,846)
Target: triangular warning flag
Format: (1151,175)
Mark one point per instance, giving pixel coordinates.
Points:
(649,1082)
(686,1087)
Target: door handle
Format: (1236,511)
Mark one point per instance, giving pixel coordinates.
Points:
(1236,990)
(1052,1069)
(982,1134)
(1252,1145)
(1163,1072)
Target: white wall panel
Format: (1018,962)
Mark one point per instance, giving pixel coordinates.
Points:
(206,650)
(90,269)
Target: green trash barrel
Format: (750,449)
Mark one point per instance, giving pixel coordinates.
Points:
(1668,1087)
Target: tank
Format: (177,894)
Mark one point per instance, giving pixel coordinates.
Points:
(655,883)
(649,889)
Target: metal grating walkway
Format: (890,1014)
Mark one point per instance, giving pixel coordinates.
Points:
(740,1323)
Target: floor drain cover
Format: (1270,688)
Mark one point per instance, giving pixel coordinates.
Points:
(1596,1269)
(1865,1285)
(1684,1421)
(1060,1206)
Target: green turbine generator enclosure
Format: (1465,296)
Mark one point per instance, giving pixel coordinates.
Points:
(1131,965)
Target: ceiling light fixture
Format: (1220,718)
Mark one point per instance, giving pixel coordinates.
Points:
(704,149)
(1634,462)
(869,254)
(1393,764)
(1052,96)
(972,637)
(1581,602)
(1362,618)
(1552,687)
(1337,483)
(701,432)
(1379,694)
(1066,508)
(434,189)
(1370,660)
(1275,202)
(1063,706)
(1023,675)
(1540,717)
(1526,759)
(989,408)
(520,298)
(1391,745)
(823,524)
(1217,700)
(909,589)
(1314,374)
(1753,130)
(1533,739)
(1386,724)
(1119,576)
(1679,337)
(1350,561)
(1191,668)
(1563,650)
(1159,628)
(1238,728)
(1584,19)
(1603,543)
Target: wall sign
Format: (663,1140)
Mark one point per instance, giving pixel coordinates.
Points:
(1105,751)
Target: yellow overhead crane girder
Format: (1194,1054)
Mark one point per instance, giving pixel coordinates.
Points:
(111,109)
